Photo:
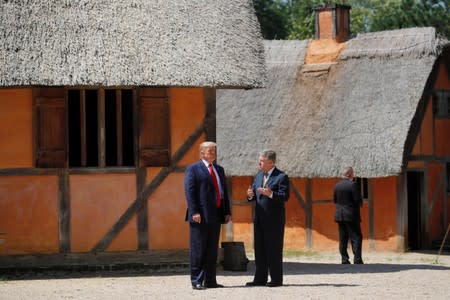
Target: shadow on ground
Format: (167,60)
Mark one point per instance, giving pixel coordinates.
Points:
(290,268)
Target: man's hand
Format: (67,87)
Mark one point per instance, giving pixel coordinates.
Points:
(197,218)
(227,219)
(265,191)
(250,193)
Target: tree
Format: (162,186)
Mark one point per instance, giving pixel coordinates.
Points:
(302,18)
(412,13)
(273,18)
(295,19)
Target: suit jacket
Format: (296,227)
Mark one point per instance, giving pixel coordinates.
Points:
(201,194)
(271,209)
(348,200)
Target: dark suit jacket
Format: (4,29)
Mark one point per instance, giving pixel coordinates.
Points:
(201,195)
(347,198)
(267,209)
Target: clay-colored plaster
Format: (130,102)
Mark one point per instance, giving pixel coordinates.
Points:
(97,201)
(29,215)
(323,51)
(16,128)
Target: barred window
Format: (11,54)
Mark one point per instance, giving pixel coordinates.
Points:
(363,187)
(441,103)
(101,127)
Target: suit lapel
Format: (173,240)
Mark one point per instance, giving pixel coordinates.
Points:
(205,170)
(272,176)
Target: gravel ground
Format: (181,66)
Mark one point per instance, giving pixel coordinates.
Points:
(310,276)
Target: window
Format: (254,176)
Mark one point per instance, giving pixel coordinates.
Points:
(100,128)
(97,127)
(441,104)
(363,187)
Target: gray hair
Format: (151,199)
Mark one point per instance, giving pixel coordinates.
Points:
(347,172)
(269,154)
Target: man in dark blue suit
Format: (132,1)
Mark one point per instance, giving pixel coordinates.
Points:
(270,189)
(348,200)
(206,193)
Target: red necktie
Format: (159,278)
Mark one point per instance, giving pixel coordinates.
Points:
(216,184)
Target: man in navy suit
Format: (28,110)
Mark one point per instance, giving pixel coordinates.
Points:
(206,193)
(270,189)
(347,198)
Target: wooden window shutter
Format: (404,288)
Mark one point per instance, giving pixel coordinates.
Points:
(50,143)
(154,131)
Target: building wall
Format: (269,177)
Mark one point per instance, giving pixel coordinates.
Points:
(16,130)
(430,155)
(384,193)
(29,214)
(96,202)
(30,205)
(310,217)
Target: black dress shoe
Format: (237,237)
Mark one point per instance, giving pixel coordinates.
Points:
(252,283)
(345,262)
(198,286)
(359,262)
(213,286)
(274,284)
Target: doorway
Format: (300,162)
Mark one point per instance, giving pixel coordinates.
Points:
(415,185)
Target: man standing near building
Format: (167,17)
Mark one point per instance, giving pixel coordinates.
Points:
(206,193)
(270,190)
(347,198)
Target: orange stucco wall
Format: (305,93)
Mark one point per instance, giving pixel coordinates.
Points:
(322,189)
(167,205)
(241,211)
(324,230)
(442,125)
(294,232)
(16,130)
(96,203)
(442,137)
(434,141)
(323,51)
(295,229)
(29,215)
(166,211)
(242,214)
(187,111)
(435,211)
(424,141)
(385,213)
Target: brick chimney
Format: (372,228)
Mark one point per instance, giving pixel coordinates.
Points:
(332,31)
(333,22)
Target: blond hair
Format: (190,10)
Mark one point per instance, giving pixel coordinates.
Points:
(205,145)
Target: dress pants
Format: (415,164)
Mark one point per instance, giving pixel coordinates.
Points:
(268,246)
(204,240)
(352,231)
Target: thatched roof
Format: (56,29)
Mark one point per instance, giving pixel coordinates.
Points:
(357,111)
(136,42)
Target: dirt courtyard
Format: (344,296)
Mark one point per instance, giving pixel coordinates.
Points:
(312,276)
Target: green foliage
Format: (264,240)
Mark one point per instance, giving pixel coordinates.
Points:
(272,16)
(302,18)
(294,19)
(412,13)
